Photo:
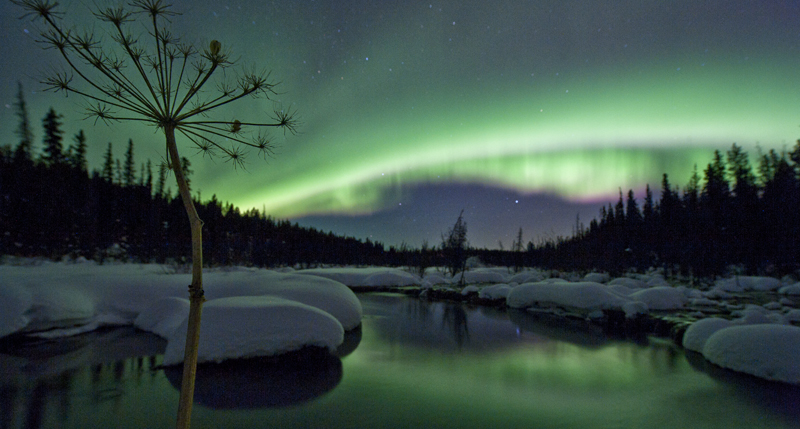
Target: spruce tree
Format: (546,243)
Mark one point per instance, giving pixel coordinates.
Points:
(23,151)
(77,152)
(53,136)
(108,165)
(129,171)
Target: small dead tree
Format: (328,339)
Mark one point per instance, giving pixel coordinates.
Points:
(156,79)
(454,247)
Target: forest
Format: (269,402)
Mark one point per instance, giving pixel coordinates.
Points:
(51,205)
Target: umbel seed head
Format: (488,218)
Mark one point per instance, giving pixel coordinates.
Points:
(215,47)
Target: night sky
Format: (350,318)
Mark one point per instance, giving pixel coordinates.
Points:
(523,113)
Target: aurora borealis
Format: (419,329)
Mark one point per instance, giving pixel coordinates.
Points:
(541,101)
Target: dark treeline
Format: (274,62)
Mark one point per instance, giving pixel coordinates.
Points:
(51,205)
(731,215)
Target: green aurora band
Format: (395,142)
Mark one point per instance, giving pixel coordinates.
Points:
(582,143)
(573,98)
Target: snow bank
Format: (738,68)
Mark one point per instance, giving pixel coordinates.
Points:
(698,332)
(765,351)
(241,327)
(661,297)
(582,295)
(53,300)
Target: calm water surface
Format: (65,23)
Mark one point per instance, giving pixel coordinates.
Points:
(412,364)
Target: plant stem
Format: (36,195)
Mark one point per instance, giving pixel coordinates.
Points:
(196,295)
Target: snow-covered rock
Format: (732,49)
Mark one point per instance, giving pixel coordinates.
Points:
(766,351)
(628,282)
(582,295)
(698,332)
(596,277)
(435,278)
(470,289)
(792,316)
(747,283)
(527,277)
(793,289)
(241,327)
(164,316)
(14,302)
(661,297)
(496,291)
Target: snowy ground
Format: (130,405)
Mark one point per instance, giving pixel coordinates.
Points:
(253,312)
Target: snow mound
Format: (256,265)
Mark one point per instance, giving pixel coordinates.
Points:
(596,277)
(496,291)
(793,289)
(765,351)
(14,302)
(527,277)
(328,295)
(661,297)
(747,283)
(470,289)
(698,332)
(164,316)
(242,327)
(582,295)
(628,283)
(435,278)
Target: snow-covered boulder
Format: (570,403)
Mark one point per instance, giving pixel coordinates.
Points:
(241,327)
(582,295)
(792,316)
(596,277)
(793,289)
(436,278)
(765,351)
(698,332)
(496,291)
(661,297)
(470,289)
(14,303)
(747,283)
(164,316)
(628,283)
(527,277)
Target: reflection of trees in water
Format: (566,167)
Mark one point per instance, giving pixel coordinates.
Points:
(39,386)
(454,320)
(418,309)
